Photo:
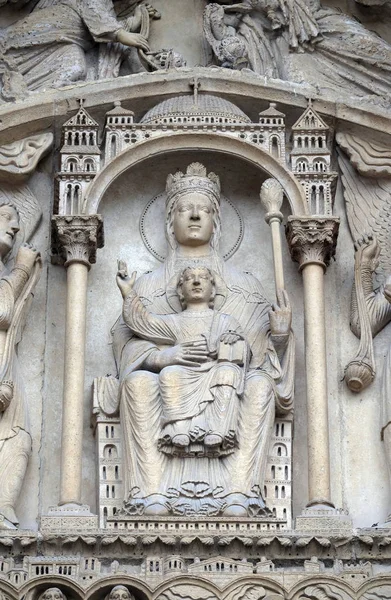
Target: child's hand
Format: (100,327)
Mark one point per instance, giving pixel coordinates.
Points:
(124,282)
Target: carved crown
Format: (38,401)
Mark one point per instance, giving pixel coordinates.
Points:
(195,179)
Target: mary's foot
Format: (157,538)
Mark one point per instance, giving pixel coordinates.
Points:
(212,439)
(181,439)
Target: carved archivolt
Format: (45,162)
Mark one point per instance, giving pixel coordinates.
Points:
(312,588)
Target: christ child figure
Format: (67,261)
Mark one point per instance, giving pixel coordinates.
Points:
(201,390)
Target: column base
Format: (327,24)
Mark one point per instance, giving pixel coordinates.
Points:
(323,517)
(69,517)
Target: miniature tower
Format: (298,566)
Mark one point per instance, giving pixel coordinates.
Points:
(311,161)
(118,130)
(278,481)
(272,122)
(80,161)
(109,449)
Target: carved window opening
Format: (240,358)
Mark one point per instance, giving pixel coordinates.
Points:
(116,473)
(113,146)
(280,450)
(319,165)
(275,146)
(89,165)
(76,140)
(273,471)
(71,165)
(276,492)
(110,451)
(286,473)
(104,473)
(68,199)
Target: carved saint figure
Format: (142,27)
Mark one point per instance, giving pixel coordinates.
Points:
(47,47)
(200,404)
(120,592)
(16,286)
(306,42)
(52,593)
(193,228)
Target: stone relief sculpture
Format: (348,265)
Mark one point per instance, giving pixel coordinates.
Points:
(306,42)
(228,48)
(17,283)
(196,412)
(367,205)
(52,593)
(48,47)
(120,592)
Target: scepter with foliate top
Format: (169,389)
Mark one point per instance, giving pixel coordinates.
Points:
(272,196)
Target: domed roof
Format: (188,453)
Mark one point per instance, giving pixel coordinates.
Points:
(187,109)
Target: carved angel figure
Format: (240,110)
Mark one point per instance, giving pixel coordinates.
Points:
(228,48)
(145,365)
(47,48)
(17,284)
(368,201)
(199,401)
(305,42)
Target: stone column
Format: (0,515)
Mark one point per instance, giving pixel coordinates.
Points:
(312,242)
(75,241)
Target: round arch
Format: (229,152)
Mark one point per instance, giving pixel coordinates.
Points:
(192,580)
(184,141)
(318,580)
(42,582)
(102,586)
(258,581)
(8,589)
(374,583)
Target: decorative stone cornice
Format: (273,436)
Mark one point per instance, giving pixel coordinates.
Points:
(75,238)
(312,239)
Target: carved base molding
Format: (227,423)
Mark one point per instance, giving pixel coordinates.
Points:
(304,567)
(327,518)
(69,517)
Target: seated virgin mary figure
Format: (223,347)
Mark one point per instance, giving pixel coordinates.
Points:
(200,404)
(153,390)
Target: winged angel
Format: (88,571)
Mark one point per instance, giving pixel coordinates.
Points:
(300,41)
(368,206)
(47,48)
(20,268)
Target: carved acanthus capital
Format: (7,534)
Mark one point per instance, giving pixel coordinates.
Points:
(75,238)
(312,239)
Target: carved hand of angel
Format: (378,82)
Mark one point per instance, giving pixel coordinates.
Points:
(230,337)
(280,316)
(367,251)
(132,39)
(124,282)
(27,256)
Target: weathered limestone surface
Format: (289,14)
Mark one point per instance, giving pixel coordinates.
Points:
(227,441)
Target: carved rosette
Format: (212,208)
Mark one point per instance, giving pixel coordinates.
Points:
(312,240)
(75,238)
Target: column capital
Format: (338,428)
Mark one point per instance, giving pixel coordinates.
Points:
(75,238)
(312,239)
